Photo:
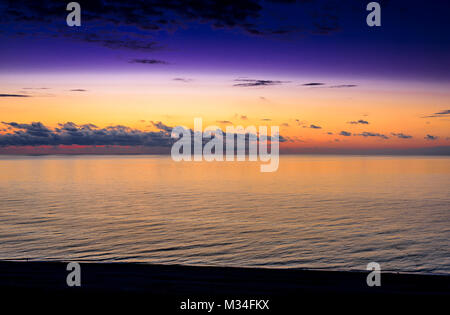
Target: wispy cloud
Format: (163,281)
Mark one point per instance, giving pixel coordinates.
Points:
(444,113)
(372,134)
(313,84)
(325,86)
(14,95)
(185,80)
(401,135)
(431,138)
(361,121)
(342,86)
(149,61)
(256,82)
(345,133)
(314,127)
(113,42)
(300,122)
(160,126)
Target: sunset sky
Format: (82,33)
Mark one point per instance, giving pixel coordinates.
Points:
(314,68)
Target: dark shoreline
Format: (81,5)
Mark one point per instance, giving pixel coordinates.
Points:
(167,285)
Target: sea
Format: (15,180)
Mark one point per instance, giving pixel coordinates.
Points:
(315,212)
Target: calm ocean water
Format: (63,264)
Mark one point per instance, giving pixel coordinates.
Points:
(332,212)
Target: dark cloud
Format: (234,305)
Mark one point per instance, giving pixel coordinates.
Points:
(315,127)
(151,15)
(401,135)
(362,122)
(224,122)
(132,24)
(149,61)
(313,84)
(14,95)
(35,129)
(243,117)
(329,133)
(345,133)
(78,90)
(430,137)
(36,88)
(444,113)
(284,125)
(266,119)
(372,134)
(37,134)
(253,82)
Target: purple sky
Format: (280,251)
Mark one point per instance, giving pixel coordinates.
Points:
(322,38)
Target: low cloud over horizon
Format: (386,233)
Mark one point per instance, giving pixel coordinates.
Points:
(36,134)
(46,140)
(69,133)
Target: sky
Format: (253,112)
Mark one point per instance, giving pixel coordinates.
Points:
(133,70)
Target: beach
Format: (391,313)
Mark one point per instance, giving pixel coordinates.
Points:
(166,287)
